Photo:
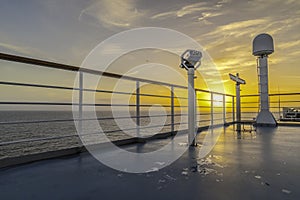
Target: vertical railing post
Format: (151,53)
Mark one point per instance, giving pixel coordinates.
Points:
(279,107)
(138,108)
(238,108)
(211,109)
(224,109)
(172,110)
(196,112)
(233,110)
(80,102)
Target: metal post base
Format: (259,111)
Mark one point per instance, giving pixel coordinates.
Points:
(265,118)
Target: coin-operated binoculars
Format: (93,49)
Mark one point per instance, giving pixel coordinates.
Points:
(190,60)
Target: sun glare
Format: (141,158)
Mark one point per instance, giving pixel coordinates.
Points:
(218,100)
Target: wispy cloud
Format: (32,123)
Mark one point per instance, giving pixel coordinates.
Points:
(295,53)
(222,3)
(207,15)
(117,13)
(239,28)
(186,10)
(290,44)
(190,9)
(164,15)
(24,51)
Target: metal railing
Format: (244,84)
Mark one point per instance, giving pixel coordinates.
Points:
(278,101)
(210,107)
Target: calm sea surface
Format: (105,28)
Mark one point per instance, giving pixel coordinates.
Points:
(27,138)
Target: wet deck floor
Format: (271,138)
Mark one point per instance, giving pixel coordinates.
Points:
(262,165)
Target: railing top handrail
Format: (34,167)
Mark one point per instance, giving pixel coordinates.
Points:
(54,65)
(48,64)
(272,94)
(217,93)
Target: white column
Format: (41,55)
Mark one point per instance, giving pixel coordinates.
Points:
(238,107)
(263,84)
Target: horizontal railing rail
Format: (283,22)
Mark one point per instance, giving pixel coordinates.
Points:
(209,103)
(42,63)
(278,101)
(272,94)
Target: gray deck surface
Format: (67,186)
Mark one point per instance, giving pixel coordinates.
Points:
(262,165)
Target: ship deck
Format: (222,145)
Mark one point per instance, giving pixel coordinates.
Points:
(263,164)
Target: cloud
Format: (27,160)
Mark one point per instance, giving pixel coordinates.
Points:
(295,53)
(206,15)
(263,5)
(235,48)
(190,9)
(25,51)
(242,24)
(186,10)
(117,13)
(164,15)
(287,45)
(222,3)
(239,28)
(233,33)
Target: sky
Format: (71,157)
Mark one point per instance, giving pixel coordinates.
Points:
(66,31)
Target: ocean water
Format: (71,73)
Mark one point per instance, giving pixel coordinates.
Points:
(24,138)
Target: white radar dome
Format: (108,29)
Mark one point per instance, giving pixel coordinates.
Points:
(263,45)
